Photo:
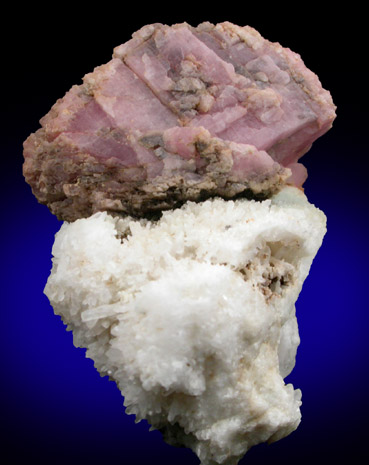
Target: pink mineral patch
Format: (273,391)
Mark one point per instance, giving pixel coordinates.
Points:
(179,113)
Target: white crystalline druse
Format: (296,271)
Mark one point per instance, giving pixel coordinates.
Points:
(193,315)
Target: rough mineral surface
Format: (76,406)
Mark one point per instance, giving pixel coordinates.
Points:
(179,113)
(196,324)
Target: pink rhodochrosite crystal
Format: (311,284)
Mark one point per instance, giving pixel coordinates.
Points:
(179,113)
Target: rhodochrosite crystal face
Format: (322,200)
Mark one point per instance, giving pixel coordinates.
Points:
(179,113)
(193,315)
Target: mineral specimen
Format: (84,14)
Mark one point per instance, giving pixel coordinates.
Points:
(179,113)
(176,165)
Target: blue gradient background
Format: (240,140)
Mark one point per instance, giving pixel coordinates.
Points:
(55,406)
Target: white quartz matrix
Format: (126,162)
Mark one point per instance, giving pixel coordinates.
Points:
(193,315)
